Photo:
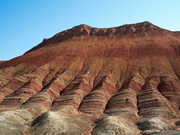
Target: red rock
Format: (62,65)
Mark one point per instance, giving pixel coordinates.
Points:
(130,71)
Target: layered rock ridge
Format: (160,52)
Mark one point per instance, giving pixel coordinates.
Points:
(95,80)
(131,30)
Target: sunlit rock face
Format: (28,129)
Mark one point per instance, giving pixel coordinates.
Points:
(97,81)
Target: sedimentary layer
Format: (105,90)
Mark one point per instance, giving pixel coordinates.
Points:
(105,76)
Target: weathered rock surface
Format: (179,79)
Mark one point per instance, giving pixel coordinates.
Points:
(59,124)
(84,74)
(154,125)
(115,126)
(167,133)
(15,122)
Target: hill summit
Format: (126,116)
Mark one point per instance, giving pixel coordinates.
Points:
(130,30)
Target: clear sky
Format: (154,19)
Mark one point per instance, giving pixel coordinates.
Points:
(24,23)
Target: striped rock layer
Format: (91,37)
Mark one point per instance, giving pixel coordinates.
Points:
(130,71)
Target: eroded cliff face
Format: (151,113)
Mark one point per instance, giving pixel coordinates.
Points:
(96,81)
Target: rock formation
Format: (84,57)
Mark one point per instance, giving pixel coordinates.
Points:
(97,81)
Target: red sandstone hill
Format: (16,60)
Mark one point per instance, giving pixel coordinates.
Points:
(100,81)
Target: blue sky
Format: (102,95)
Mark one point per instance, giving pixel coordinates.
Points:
(24,23)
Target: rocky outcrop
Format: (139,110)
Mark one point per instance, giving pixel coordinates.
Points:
(114,125)
(154,125)
(15,122)
(89,80)
(56,123)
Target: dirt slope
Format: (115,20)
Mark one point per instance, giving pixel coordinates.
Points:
(105,76)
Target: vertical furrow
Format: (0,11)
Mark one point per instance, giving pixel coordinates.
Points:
(74,93)
(9,88)
(96,100)
(73,97)
(56,67)
(151,102)
(124,102)
(42,101)
(170,90)
(18,79)
(104,87)
(23,93)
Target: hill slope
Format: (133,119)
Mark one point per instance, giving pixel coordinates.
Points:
(93,78)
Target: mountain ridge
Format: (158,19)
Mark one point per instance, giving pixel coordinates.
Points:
(132,30)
